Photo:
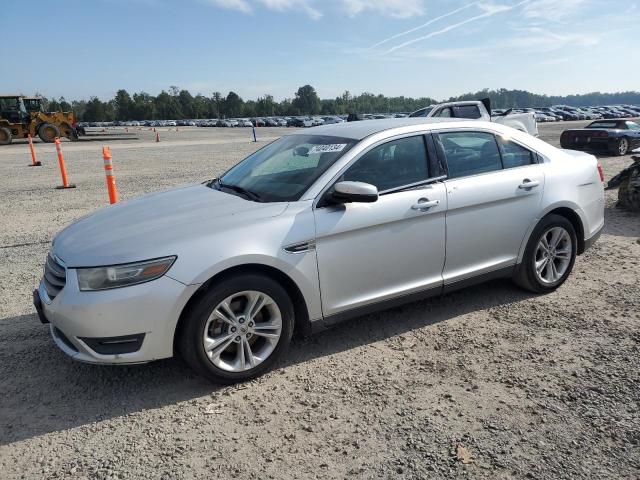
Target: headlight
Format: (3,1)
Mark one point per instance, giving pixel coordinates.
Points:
(103,278)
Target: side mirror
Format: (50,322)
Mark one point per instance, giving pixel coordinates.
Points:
(359,192)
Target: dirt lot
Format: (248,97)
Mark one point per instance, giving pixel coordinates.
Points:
(490,382)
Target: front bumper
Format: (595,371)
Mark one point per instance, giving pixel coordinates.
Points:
(127,325)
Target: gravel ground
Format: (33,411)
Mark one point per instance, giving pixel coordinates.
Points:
(489,382)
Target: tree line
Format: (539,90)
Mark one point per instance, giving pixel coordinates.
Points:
(177,104)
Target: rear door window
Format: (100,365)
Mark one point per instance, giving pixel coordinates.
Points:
(469,153)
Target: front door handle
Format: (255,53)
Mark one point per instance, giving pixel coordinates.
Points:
(425,204)
(527,184)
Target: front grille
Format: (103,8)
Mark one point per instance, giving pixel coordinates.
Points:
(55,277)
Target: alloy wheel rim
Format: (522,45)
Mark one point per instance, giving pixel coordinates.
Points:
(623,146)
(553,255)
(242,331)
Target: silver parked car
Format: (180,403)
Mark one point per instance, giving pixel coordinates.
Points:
(319,226)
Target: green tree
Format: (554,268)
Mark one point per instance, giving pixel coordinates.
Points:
(95,110)
(123,105)
(143,106)
(167,106)
(52,105)
(307,101)
(201,106)
(233,105)
(187,105)
(217,105)
(266,106)
(249,108)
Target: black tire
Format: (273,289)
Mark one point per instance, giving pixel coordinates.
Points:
(525,275)
(48,132)
(5,136)
(621,147)
(190,337)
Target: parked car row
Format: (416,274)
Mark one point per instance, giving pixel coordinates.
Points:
(542,114)
(563,112)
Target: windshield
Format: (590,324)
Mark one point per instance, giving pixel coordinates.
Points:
(285,169)
(423,112)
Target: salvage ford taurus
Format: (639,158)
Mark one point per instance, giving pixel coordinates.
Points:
(318,226)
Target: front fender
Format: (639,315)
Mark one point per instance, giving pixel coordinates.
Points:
(301,268)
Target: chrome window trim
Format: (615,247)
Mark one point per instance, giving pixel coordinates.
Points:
(537,154)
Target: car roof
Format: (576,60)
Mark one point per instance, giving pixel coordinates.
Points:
(365,128)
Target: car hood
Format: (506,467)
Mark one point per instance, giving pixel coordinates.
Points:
(155,225)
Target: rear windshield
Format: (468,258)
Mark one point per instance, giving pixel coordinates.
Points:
(603,125)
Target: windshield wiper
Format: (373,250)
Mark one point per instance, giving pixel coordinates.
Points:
(241,190)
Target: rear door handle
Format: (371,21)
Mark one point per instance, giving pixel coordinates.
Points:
(425,204)
(527,184)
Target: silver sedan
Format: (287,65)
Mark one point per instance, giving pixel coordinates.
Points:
(319,226)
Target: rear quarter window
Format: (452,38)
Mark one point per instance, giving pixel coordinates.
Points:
(514,155)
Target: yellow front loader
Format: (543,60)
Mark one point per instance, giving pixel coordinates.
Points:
(21,116)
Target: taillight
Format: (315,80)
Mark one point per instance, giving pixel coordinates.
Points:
(601,173)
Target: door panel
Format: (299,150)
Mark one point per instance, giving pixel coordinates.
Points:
(369,252)
(487,218)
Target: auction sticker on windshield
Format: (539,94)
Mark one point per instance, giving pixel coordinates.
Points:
(333,148)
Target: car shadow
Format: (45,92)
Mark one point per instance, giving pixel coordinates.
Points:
(44,391)
(621,222)
(105,136)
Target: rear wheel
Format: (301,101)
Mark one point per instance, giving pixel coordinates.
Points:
(5,136)
(621,147)
(238,330)
(549,256)
(48,132)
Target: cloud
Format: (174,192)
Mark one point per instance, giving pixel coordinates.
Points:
(296,5)
(420,27)
(240,5)
(527,43)
(553,10)
(392,8)
(489,9)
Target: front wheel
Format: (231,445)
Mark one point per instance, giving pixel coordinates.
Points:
(5,136)
(549,255)
(238,329)
(48,132)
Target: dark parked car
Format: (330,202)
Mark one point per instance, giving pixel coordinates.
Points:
(616,136)
(300,122)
